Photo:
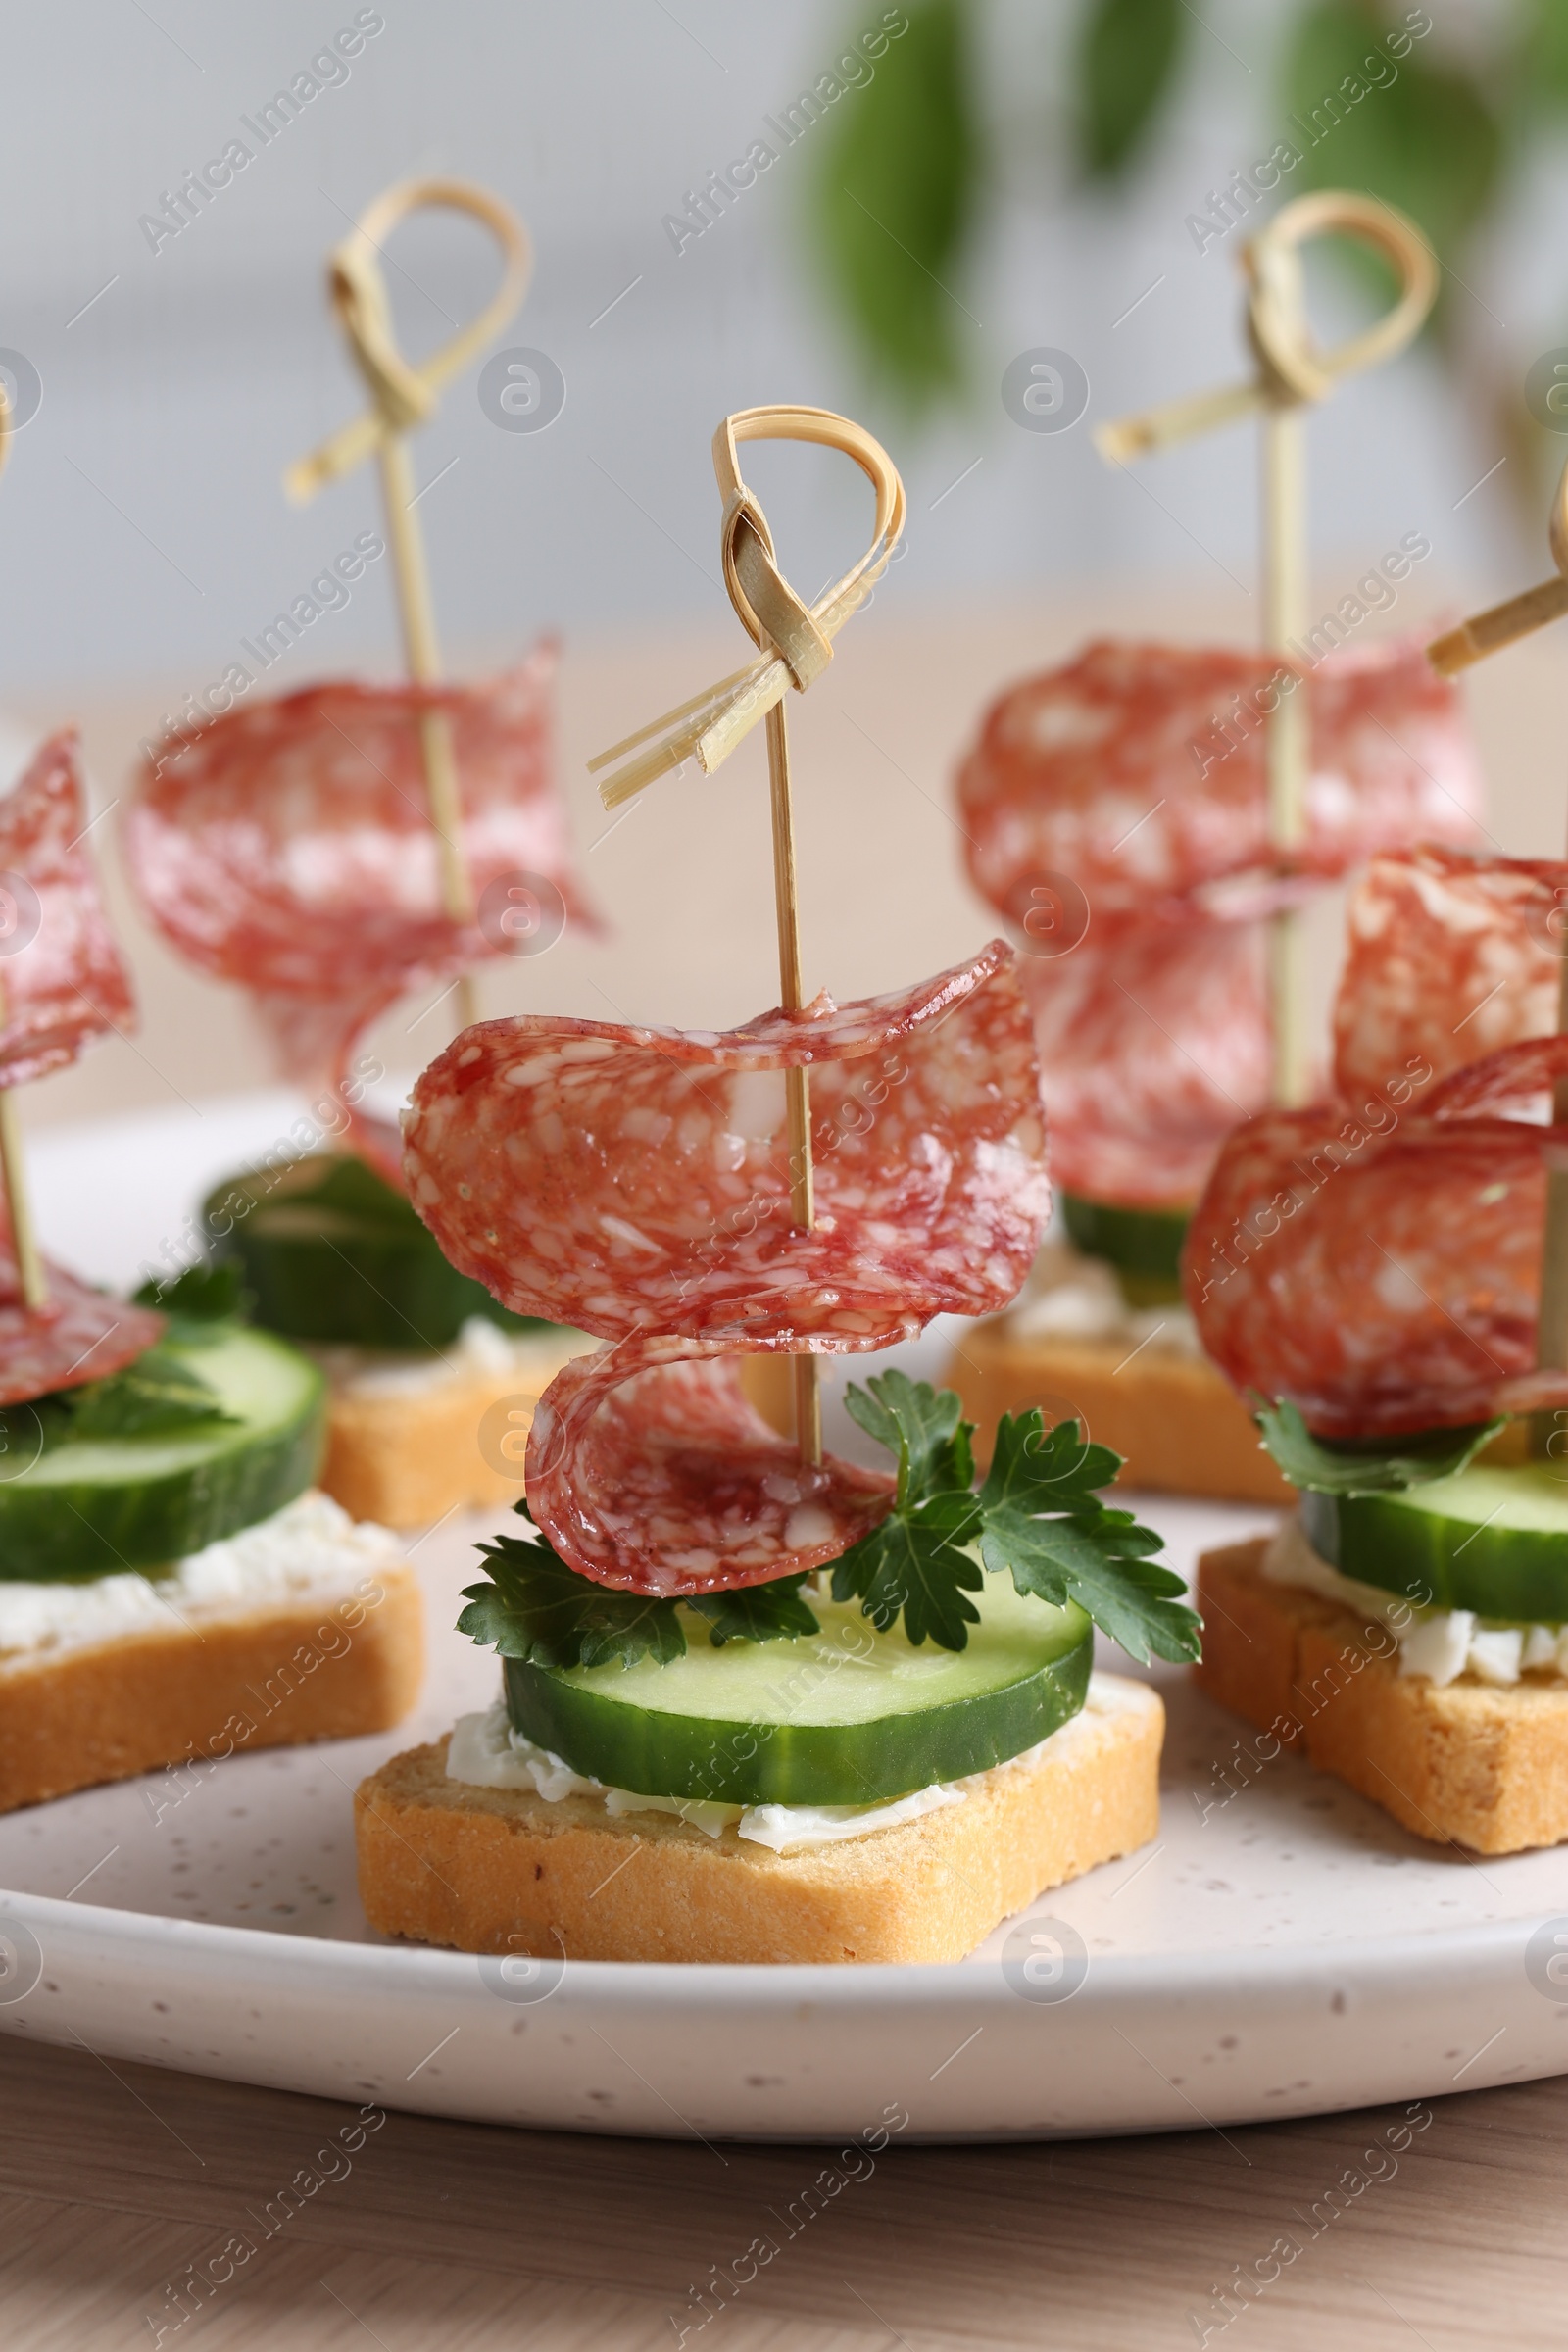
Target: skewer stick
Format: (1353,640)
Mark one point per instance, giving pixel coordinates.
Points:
(422,660)
(1471,641)
(1291,373)
(30,1272)
(796,1082)
(23,1234)
(18,1201)
(796,642)
(1287,739)
(404,397)
(1552,1318)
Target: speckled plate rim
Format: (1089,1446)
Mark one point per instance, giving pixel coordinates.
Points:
(1146,2042)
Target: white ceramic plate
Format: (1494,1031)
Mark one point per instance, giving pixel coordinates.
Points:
(1283,1948)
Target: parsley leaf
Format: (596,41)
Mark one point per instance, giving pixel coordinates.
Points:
(157,1393)
(1046,1524)
(535,1607)
(916,1562)
(923,1426)
(1099,1561)
(1366,1466)
(771,1612)
(1033,1469)
(1038,1515)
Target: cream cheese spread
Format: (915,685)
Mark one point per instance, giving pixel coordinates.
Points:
(485,1752)
(311,1546)
(481,1351)
(1069,1296)
(1441,1644)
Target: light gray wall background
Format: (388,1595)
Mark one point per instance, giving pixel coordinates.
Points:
(142,526)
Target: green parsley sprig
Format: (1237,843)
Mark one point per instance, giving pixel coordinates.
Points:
(537,1608)
(1367,1465)
(1036,1516)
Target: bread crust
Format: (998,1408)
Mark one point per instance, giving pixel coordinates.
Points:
(1176,1421)
(406,1461)
(219,1685)
(1469,1763)
(499,1870)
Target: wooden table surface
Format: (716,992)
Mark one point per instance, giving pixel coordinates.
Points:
(114,2180)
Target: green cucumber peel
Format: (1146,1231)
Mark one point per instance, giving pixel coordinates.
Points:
(1367,1465)
(198,1299)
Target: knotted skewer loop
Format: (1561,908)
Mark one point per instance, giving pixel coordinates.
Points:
(796,639)
(1292,370)
(1503,624)
(796,642)
(1293,373)
(404,395)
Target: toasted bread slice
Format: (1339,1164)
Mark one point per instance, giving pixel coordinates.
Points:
(405,1455)
(1176,1421)
(1465,1763)
(500,1870)
(217,1683)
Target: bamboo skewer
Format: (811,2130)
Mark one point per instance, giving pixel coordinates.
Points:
(1287,739)
(1471,641)
(796,1082)
(403,397)
(1291,373)
(796,645)
(31,1271)
(23,1234)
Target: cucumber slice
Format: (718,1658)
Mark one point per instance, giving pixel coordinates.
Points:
(849,1717)
(1492,1539)
(1144,1245)
(332,1254)
(92,1506)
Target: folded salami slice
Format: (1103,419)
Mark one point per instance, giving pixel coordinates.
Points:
(1129,787)
(636,1183)
(1451,956)
(288,846)
(625,1179)
(1381,1269)
(1152,1049)
(62,979)
(648,1469)
(81,1335)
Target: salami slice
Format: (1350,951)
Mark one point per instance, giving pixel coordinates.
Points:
(649,1470)
(636,1183)
(626,1180)
(1451,956)
(1136,1109)
(62,979)
(288,846)
(1381,1270)
(81,1335)
(1132,782)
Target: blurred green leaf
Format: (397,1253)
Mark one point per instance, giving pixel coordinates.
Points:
(1128,53)
(895,198)
(1542,62)
(1419,134)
